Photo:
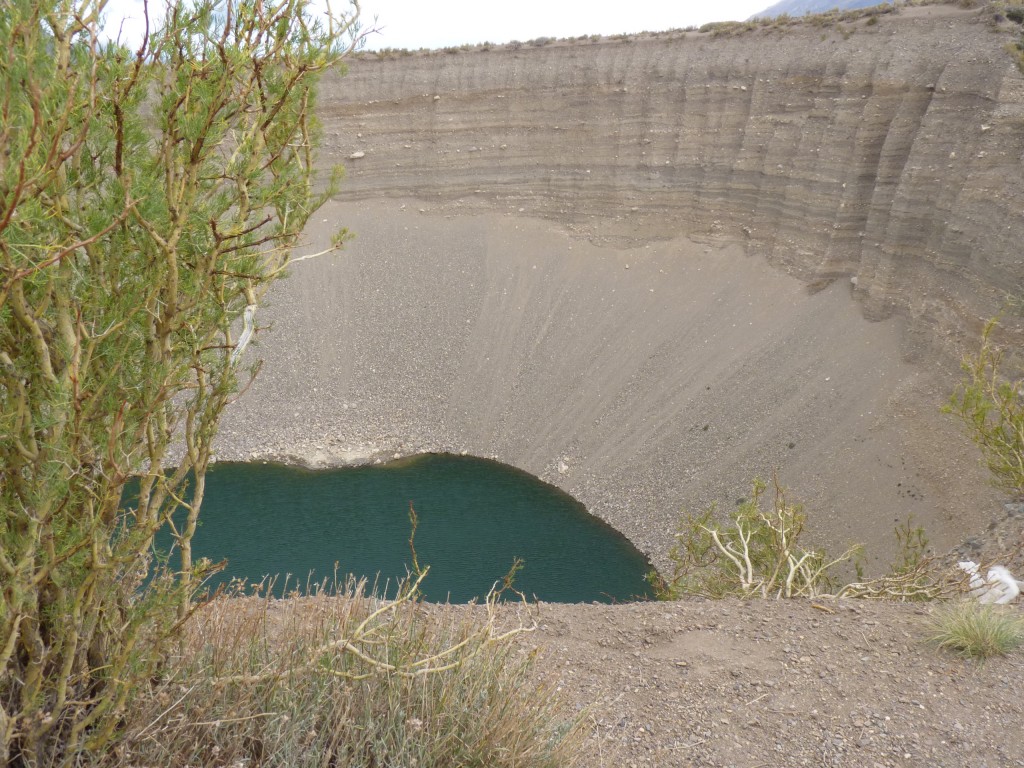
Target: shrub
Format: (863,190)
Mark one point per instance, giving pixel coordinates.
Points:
(150,196)
(976,631)
(992,408)
(758,554)
(1015,13)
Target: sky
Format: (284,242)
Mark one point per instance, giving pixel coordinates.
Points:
(439,23)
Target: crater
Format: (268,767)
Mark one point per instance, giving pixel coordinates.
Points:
(640,391)
(648,273)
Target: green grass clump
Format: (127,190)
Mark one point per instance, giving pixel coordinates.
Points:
(977,631)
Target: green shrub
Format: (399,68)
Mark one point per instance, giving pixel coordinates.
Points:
(758,554)
(976,631)
(992,408)
(150,197)
(1015,13)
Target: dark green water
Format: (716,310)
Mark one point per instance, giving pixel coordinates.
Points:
(475,518)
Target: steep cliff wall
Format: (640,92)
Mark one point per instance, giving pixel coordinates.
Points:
(890,152)
(574,258)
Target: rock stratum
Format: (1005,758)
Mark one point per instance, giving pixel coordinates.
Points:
(893,155)
(648,269)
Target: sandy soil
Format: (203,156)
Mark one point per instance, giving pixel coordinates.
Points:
(770,685)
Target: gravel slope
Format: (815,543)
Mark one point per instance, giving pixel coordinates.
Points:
(643,379)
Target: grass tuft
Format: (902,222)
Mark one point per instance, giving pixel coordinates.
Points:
(346,679)
(977,631)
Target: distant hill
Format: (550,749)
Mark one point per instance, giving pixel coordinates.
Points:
(802,7)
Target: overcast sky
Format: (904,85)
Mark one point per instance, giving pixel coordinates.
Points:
(439,23)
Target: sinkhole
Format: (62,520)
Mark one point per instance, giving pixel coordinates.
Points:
(475,518)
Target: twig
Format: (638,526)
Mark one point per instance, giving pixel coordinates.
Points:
(222,721)
(689,746)
(162,714)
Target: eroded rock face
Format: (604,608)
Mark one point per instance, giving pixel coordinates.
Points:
(574,258)
(890,152)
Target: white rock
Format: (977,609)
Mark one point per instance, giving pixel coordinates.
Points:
(356,155)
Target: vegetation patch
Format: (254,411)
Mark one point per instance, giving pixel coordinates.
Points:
(990,403)
(342,678)
(760,552)
(976,631)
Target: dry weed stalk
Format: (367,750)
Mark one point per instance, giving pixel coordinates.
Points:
(929,582)
(369,640)
(345,678)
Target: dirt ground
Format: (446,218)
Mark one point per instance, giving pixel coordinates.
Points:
(765,684)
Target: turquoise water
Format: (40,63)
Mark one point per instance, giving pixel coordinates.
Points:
(475,518)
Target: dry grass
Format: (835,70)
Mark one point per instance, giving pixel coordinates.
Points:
(977,631)
(346,680)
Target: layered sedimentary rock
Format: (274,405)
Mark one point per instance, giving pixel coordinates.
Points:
(890,152)
(593,261)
